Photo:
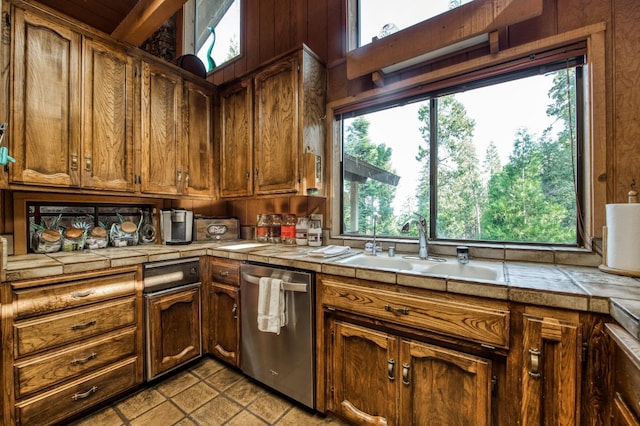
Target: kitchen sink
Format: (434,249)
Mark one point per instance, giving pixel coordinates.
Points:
(449,267)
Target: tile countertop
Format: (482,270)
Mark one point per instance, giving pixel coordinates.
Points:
(581,288)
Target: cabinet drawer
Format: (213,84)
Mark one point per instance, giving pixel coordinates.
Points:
(226,272)
(54,330)
(56,297)
(62,402)
(470,322)
(43,371)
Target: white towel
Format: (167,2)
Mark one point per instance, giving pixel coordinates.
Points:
(271,307)
(330,251)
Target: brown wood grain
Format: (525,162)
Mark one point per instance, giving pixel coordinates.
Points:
(198,128)
(225,323)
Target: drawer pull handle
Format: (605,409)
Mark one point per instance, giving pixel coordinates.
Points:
(534,360)
(389,308)
(77,396)
(390,365)
(405,374)
(224,273)
(84,360)
(79,294)
(234,311)
(83,326)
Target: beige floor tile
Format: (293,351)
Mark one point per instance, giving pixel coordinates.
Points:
(207,367)
(176,384)
(165,414)
(216,412)
(298,416)
(245,418)
(140,403)
(224,379)
(106,417)
(193,397)
(245,392)
(269,407)
(186,422)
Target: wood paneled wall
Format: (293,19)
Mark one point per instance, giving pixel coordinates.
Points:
(276,26)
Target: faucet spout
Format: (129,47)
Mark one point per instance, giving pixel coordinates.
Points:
(421,224)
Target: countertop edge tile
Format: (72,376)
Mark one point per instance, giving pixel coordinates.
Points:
(543,298)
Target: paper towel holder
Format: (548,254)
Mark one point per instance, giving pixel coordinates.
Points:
(632,199)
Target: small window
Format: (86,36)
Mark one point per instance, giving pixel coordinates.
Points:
(223,16)
(492,160)
(379,18)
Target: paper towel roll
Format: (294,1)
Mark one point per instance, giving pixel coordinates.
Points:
(623,237)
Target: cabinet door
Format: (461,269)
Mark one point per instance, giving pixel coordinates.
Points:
(45,102)
(363,374)
(161,166)
(551,371)
(174,332)
(236,143)
(621,413)
(443,387)
(277,127)
(198,139)
(107,157)
(224,326)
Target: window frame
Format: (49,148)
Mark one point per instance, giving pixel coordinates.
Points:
(593,147)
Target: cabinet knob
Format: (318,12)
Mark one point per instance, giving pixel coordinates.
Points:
(74,162)
(390,364)
(534,363)
(234,311)
(87,163)
(405,374)
(179,175)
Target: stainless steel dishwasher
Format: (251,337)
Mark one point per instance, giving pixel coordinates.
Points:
(285,361)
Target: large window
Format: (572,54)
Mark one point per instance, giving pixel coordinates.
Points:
(212,30)
(379,18)
(496,159)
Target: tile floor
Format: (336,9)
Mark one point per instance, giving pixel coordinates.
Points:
(208,393)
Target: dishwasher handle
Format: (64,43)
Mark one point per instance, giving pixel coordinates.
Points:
(286,286)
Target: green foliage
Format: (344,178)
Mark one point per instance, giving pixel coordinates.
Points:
(374,197)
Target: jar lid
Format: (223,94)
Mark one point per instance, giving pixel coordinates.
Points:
(98,232)
(50,235)
(73,233)
(128,227)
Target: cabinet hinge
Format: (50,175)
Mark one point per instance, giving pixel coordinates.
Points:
(494,385)
(332,336)
(7,24)
(332,391)
(585,354)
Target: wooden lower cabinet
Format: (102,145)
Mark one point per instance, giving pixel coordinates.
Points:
(174,333)
(73,341)
(378,378)
(225,327)
(625,404)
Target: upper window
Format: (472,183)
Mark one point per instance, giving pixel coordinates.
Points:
(215,36)
(379,18)
(496,159)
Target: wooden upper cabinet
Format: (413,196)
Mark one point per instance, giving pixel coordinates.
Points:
(269,121)
(107,145)
(198,137)
(161,119)
(45,103)
(276,132)
(236,147)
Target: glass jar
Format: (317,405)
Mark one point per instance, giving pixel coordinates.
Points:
(73,239)
(288,229)
(302,227)
(314,234)
(47,241)
(97,238)
(275,224)
(124,234)
(262,228)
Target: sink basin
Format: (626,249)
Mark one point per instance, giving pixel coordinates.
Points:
(369,261)
(464,271)
(450,267)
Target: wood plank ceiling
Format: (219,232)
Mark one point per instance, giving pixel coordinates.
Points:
(131,21)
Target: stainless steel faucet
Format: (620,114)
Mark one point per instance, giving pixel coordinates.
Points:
(421,224)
